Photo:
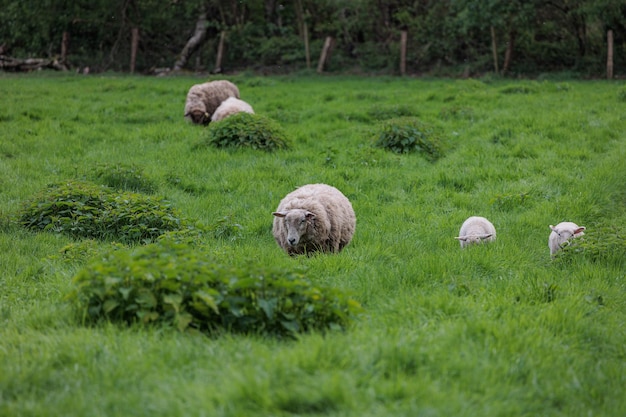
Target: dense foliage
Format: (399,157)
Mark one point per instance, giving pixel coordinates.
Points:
(86,210)
(176,284)
(408,134)
(245,130)
(449,37)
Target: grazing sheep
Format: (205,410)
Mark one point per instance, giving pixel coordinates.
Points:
(561,234)
(203,99)
(314,217)
(229,107)
(476,230)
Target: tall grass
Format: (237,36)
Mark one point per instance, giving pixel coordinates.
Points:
(499,329)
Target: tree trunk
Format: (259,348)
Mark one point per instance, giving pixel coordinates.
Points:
(325,56)
(403,36)
(133,48)
(508,56)
(193,43)
(609,55)
(220,53)
(494,49)
(65,41)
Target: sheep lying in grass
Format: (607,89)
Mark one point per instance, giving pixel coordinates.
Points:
(314,217)
(203,99)
(476,230)
(561,234)
(229,107)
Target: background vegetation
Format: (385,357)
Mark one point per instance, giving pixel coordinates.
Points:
(494,330)
(450,37)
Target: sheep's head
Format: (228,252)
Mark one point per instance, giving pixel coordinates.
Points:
(474,238)
(566,231)
(296,222)
(199,117)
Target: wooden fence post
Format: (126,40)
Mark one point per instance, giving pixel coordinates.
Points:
(494,49)
(65,46)
(403,36)
(609,55)
(307,51)
(133,48)
(220,53)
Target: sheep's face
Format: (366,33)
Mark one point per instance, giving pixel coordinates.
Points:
(471,239)
(199,117)
(563,235)
(297,223)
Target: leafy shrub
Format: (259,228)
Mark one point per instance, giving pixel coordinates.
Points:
(86,210)
(124,177)
(407,134)
(245,130)
(179,285)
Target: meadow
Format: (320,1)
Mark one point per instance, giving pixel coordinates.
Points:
(493,330)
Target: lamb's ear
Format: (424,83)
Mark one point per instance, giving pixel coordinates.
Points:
(463,238)
(486,236)
(553,228)
(579,230)
(309,215)
(279,213)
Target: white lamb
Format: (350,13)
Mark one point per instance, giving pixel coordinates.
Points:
(476,230)
(203,99)
(561,234)
(314,217)
(229,107)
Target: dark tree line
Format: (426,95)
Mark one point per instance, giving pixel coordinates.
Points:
(442,36)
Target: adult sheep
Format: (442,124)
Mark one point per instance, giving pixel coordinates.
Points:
(476,229)
(203,99)
(561,234)
(314,217)
(229,107)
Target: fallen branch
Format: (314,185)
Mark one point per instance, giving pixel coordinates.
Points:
(30,64)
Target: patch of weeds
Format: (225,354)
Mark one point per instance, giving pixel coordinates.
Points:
(598,244)
(621,95)
(182,286)
(389,112)
(457,112)
(517,89)
(226,229)
(86,210)
(124,177)
(407,134)
(82,250)
(245,130)
(508,202)
(540,292)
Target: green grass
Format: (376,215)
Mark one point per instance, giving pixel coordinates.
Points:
(495,330)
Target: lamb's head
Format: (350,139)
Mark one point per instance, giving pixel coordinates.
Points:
(199,117)
(297,222)
(474,238)
(566,231)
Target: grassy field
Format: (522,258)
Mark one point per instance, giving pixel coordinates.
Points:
(491,330)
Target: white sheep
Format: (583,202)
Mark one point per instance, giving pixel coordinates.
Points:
(203,99)
(314,217)
(476,230)
(229,107)
(561,234)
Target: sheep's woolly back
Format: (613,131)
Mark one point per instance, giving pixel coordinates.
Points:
(203,99)
(314,217)
(476,229)
(562,233)
(229,107)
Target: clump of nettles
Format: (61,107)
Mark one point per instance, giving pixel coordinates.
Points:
(124,177)
(245,130)
(605,244)
(85,210)
(408,134)
(179,285)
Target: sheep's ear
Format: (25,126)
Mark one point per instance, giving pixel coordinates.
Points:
(461,238)
(552,228)
(487,236)
(279,213)
(579,230)
(309,215)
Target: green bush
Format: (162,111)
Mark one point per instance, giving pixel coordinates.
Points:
(86,210)
(245,130)
(407,134)
(603,244)
(177,284)
(124,177)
